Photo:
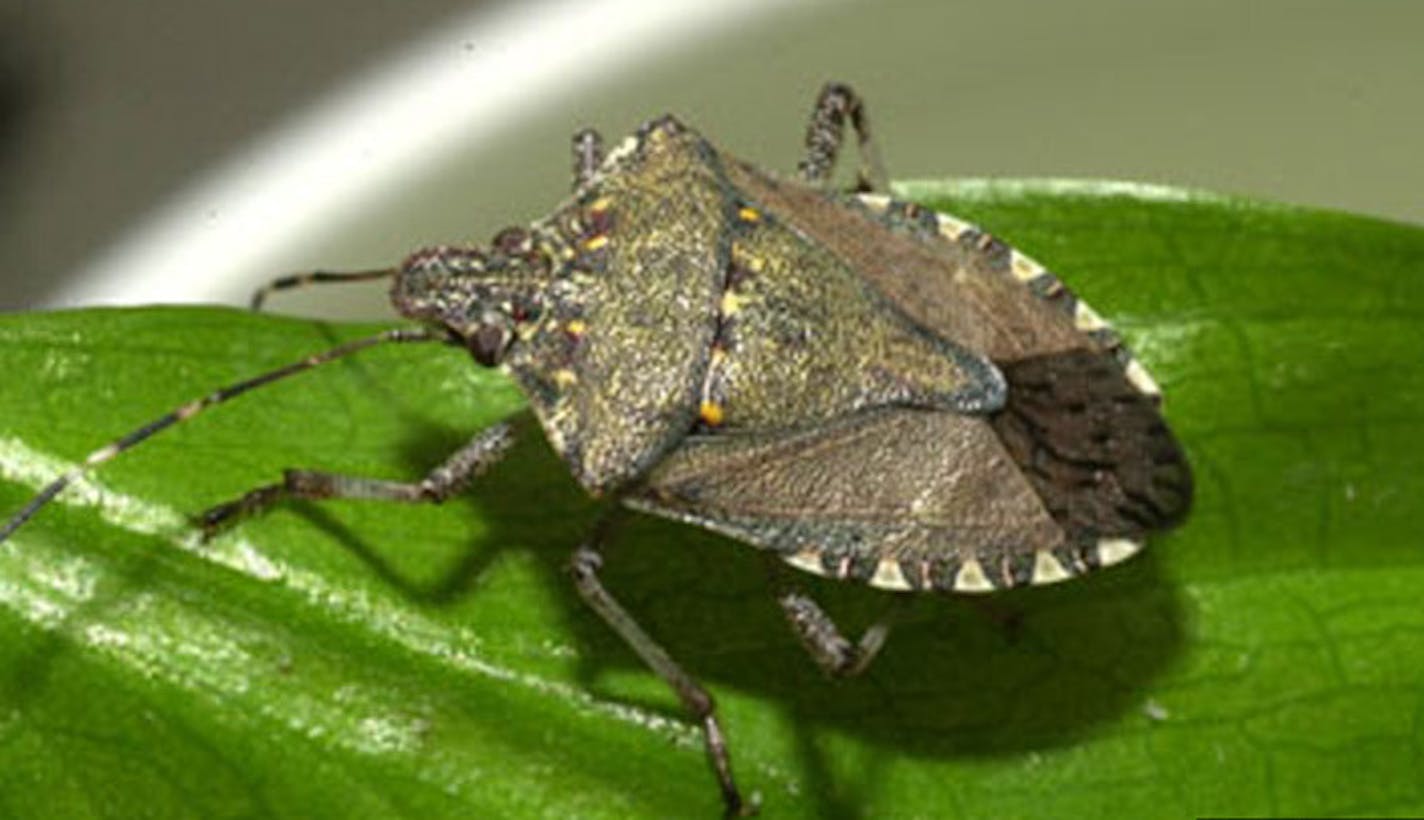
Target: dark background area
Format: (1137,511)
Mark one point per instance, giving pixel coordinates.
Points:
(110,111)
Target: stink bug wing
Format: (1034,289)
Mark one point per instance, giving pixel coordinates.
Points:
(962,288)
(1072,386)
(615,373)
(899,498)
(803,338)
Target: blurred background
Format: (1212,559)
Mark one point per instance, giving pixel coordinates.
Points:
(167,150)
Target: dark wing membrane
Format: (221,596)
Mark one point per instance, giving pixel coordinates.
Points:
(899,498)
(1095,448)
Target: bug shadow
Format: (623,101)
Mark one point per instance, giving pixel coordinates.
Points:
(502,499)
(961,678)
(456,581)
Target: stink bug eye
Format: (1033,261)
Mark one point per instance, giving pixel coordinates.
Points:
(862,388)
(487,344)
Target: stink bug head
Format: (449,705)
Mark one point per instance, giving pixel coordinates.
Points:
(485,299)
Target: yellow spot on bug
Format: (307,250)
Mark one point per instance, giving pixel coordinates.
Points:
(593,243)
(564,377)
(749,214)
(576,327)
(731,303)
(601,204)
(712,413)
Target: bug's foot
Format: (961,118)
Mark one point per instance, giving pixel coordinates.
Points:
(737,807)
(214,520)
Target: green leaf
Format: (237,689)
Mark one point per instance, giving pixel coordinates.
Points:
(366,660)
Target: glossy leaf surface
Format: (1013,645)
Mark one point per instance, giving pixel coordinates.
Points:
(368,660)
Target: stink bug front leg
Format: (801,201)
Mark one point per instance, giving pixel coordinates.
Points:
(450,477)
(837,103)
(584,566)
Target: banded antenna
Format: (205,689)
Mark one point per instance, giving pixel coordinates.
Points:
(193,408)
(320,277)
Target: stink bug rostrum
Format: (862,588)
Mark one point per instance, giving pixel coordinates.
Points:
(864,388)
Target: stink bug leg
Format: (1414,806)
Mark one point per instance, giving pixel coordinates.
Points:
(837,103)
(588,155)
(584,567)
(450,477)
(824,641)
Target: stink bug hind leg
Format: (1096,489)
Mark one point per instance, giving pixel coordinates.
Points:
(819,635)
(836,104)
(584,566)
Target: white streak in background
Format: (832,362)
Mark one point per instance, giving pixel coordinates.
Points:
(990,188)
(364,141)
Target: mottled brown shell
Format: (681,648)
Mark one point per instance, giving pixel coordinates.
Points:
(680,306)
(871,390)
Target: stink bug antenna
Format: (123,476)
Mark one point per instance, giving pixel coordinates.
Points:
(193,408)
(321,277)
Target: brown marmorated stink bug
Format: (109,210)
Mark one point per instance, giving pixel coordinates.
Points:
(864,388)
